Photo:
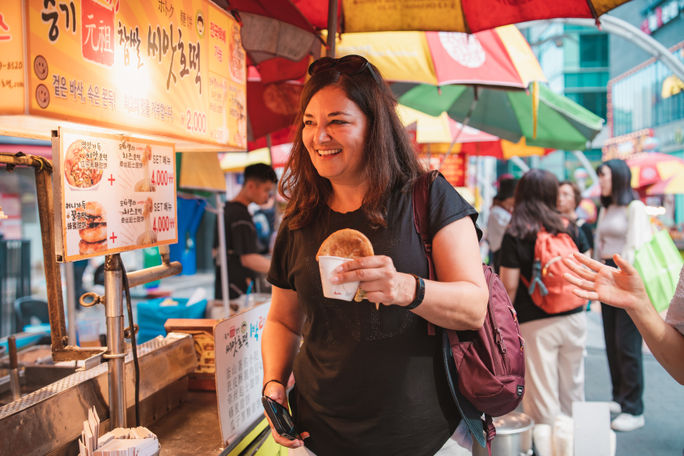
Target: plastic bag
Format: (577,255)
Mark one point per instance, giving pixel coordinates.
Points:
(659,262)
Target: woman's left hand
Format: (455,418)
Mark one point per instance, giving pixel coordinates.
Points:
(379,280)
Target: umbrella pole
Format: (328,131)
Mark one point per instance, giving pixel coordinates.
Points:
(223,258)
(269,145)
(520,163)
(332,27)
(463,125)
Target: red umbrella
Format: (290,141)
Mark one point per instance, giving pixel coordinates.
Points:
(271,106)
(273,28)
(462,15)
(652,167)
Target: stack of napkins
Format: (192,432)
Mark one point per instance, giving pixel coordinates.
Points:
(137,441)
(87,444)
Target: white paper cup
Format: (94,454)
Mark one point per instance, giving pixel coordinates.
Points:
(343,291)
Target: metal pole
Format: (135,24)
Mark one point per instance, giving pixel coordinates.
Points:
(586,164)
(71,301)
(332,27)
(520,163)
(223,258)
(115,343)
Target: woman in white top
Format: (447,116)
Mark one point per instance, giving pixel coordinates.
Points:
(499,217)
(622,228)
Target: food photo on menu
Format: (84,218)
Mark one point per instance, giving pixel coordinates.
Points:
(83,167)
(94,233)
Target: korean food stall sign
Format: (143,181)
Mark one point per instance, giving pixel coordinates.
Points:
(172,68)
(239,372)
(113,194)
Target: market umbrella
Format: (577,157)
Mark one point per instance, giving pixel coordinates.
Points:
(462,15)
(458,15)
(555,122)
(672,186)
(650,168)
(272,105)
(275,28)
(499,57)
(436,135)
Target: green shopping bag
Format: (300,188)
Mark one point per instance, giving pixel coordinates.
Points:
(659,262)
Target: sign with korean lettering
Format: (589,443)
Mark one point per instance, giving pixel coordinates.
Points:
(112,194)
(239,371)
(11,59)
(174,68)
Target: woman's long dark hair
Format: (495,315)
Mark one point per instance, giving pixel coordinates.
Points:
(621,192)
(390,161)
(535,205)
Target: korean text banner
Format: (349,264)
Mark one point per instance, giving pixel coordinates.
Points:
(11,58)
(171,67)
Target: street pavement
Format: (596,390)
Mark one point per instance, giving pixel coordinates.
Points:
(663,434)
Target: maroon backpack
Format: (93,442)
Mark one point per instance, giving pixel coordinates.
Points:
(485,368)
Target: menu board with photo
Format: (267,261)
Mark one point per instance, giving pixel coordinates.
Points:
(239,371)
(113,193)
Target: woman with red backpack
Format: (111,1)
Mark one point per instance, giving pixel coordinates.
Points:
(552,321)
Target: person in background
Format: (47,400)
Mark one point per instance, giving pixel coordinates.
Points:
(624,288)
(369,381)
(499,217)
(569,199)
(622,227)
(244,260)
(554,343)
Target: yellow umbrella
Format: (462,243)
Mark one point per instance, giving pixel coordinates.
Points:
(499,57)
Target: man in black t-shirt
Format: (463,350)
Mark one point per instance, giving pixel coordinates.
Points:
(244,260)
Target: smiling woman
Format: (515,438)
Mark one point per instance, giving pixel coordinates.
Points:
(368,379)
(334,134)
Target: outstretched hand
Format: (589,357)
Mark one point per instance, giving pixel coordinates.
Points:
(595,281)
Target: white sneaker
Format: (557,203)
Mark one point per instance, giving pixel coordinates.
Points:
(626,422)
(614,407)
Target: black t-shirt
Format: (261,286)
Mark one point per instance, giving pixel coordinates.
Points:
(588,232)
(368,382)
(241,239)
(517,253)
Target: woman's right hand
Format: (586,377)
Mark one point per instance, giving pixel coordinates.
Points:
(618,287)
(276,391)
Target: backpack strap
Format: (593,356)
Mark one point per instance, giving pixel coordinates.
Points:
(421,195)
(536,280)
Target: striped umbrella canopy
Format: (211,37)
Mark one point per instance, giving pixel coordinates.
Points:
(543,118)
